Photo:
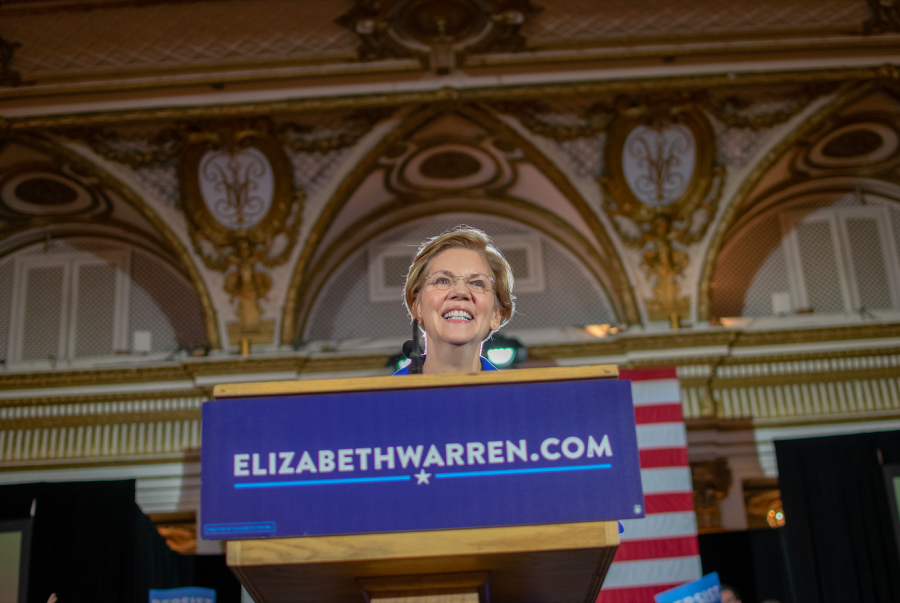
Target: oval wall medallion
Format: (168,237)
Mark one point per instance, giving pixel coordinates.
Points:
(450,166)
(237,187)
(659,163)
(45,191)
(238,191)
(854,145)
(42,193)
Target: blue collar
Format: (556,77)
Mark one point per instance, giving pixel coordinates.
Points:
(485,366)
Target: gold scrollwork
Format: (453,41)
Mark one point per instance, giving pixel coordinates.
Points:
(712,481)
(437,32)
(234,225)
(736,111)
(161,147)
(168,141)
(662,189)
(590,121)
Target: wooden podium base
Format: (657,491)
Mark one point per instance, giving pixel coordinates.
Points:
(464,587)
(558,563)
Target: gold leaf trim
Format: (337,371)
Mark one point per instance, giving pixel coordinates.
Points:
(190,456)
(469,95)
(124,419)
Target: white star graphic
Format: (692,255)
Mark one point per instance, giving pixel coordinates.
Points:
(422,477)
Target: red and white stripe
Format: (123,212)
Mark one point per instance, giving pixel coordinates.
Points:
(659,551)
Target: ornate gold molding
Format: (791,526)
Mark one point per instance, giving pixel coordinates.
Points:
(126,418)
(712,481)
(233,224)
(629,86)
(171,137)
(819,334)
(182,371)
(44,379)
(728,111)
(665,210)
(597,114)
(720,383)
(439,33)
(621,344)
(805,356)
(294,304)
(103,398)
(831,419)
(611,346)
(717,424)
(188,456)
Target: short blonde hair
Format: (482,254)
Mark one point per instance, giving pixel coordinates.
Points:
(464,237)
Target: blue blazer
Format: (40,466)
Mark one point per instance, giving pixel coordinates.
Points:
(485,366)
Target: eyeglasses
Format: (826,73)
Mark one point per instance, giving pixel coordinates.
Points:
(476,283)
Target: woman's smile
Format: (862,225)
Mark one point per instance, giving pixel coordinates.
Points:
(457,306)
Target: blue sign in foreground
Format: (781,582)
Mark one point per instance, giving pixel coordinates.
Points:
(387,461)
(189,594)
(705,590)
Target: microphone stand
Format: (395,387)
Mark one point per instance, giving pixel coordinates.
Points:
(412,351)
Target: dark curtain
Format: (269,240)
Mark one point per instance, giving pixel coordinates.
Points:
(752,561)
(91,543)
(840,541)
(83,539)
(158,566)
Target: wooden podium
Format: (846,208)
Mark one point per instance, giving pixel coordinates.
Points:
(560,562)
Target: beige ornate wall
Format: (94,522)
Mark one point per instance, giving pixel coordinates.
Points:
(711,185)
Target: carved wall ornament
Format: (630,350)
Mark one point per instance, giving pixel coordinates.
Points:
(756,109)
(438,32)
(662,189)
(864,144)
(765,108)
(44,193)
(559,122)
(885,17)
(244,213)
(712,481)
(436,167)
(145,144)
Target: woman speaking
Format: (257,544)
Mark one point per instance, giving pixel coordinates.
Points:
(459,288)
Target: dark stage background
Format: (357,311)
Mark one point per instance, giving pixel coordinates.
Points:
(838,531)
(91,542)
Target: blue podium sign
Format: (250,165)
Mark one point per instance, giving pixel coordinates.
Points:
(419,459)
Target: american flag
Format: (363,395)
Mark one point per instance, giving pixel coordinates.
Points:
(659,551)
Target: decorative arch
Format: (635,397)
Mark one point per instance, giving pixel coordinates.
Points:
(736,209)
(314,261)
(370,227)
(173,248)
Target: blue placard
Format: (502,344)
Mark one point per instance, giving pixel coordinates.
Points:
(189,594)
(424,459)
(705,590)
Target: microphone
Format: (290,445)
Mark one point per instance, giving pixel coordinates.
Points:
(412,351)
